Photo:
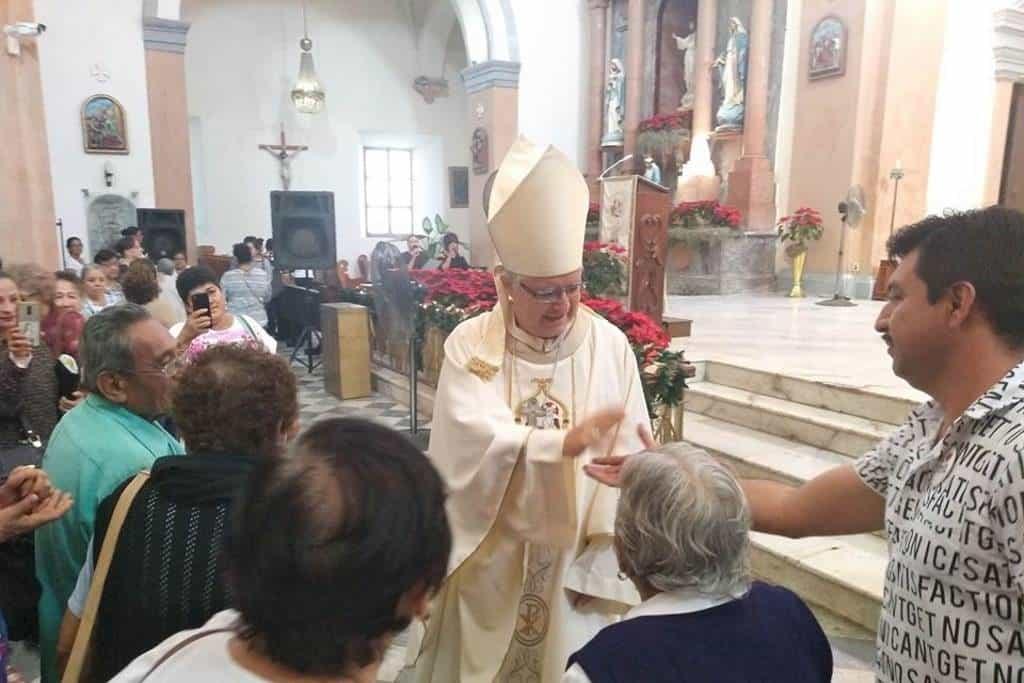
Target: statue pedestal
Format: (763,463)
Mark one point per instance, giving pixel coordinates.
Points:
(726,148)
(752,191)
(730,264)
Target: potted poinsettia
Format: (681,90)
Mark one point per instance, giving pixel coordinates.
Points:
(799,229)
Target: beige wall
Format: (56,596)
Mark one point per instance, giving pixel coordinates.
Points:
(27,230)
(168,126)
(824,125)
(500,108)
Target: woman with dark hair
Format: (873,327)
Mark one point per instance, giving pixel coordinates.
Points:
(334,551)
(167,570)
(73,260)
(247,287)
(450,257)
(207,327)
(141,286)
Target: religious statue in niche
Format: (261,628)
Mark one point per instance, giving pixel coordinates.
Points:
(688,46)
(651,170)
(481,154)
(103,126)
(615,103)
(732,74)
(828,49)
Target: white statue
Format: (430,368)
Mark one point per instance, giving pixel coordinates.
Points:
(615,102)
(688,46)
(732,65)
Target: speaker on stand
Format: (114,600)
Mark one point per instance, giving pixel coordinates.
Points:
(163,232)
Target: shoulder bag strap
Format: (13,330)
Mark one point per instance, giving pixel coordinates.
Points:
(77,662)
(181,646)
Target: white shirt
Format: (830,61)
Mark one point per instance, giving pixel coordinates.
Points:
(238,331)
(683,601)
(954,517)
(205,660)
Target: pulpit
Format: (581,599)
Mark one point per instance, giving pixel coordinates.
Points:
(635,215)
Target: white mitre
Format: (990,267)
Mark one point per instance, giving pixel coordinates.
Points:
(537,215)
(537,212)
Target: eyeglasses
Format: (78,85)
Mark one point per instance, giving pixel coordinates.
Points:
(167,369)
(550,295)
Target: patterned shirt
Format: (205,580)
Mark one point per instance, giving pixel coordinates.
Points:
(953,603)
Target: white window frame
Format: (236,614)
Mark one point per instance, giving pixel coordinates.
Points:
(403,231)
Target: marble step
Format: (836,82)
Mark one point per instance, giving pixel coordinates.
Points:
(846,434)
(843,575)
(838,398)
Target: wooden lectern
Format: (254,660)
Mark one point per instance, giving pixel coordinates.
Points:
(346,350)
(635,215)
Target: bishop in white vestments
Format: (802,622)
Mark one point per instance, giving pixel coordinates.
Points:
(528,394)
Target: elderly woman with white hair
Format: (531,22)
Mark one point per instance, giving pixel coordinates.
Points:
(682,537)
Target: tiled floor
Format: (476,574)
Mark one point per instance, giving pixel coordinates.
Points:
(316,404)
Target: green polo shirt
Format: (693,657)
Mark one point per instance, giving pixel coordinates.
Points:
(92,451)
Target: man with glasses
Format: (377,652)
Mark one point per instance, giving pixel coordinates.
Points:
(528,393)
(126,358)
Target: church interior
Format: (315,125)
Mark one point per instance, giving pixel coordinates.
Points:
(746,163)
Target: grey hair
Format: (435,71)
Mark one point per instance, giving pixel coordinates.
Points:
(88,268)
(165,266)
(106,345)
(683,522)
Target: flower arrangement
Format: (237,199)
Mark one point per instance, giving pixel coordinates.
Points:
(661,122)
(802,226)
(699,214)
(604,269)
(456,295)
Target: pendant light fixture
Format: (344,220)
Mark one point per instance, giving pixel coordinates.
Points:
(307,95)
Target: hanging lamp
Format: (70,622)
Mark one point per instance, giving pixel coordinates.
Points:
(308,95)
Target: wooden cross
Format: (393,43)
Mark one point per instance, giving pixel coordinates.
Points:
(284,154)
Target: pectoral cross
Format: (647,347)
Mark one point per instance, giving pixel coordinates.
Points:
(284,153)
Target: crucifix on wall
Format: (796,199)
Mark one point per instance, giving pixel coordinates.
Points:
(284,153)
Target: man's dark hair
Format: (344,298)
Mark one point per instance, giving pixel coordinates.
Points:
(104,256)
(327,541)
(242,252)
(249,239)
(129,231)
(228,381)
(67,243)
(193,277)
(984,247)
(123,245)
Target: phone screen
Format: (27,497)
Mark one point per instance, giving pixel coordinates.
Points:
(28,321)
(200,301)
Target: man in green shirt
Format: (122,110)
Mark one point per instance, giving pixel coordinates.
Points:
(126,356)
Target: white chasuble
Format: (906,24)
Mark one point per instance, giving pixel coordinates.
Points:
(532,533)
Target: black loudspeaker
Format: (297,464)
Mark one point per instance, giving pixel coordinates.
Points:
(303,225)
(163,232)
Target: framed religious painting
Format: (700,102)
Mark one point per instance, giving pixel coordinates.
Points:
(827,57)
(458,187)
(104,130)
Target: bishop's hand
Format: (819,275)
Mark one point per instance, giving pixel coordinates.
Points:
(591,431)
(608,470)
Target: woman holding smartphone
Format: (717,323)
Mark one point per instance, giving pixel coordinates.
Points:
(209,323)
(28,381)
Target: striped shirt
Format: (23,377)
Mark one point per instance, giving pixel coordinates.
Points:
(247,292)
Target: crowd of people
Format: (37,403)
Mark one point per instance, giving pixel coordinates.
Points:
(224,543)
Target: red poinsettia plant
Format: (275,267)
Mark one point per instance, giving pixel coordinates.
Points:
(694,214)
(802,226)
(672,121)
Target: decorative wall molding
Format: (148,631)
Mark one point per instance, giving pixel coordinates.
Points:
(1008,43)
(492,74)
(164,35)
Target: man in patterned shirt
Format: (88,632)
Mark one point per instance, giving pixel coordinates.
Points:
(948,485)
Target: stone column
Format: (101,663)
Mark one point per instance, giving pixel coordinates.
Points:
(634,78)
(27,232)
(164,41)
(751,182)
(707,15)
(492,90)
(598,68)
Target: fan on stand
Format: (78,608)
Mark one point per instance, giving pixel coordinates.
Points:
(851,211)
(396,309)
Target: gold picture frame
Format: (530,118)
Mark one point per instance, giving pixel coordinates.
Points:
(104,126)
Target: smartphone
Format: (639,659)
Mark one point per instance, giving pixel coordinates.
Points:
(201,301)
(28,321)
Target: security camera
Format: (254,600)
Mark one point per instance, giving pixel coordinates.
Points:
(22,29)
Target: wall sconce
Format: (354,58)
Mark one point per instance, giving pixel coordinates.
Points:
(108,173)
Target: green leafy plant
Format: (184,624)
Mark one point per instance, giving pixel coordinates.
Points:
(435,232)
(604,269)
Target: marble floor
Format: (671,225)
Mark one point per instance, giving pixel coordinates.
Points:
(792,337)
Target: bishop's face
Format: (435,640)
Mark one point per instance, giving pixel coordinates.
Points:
(546,306)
